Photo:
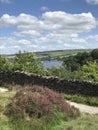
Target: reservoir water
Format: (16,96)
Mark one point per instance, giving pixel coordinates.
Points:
(51,63)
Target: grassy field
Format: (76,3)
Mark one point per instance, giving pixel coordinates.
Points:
(84,122)
(59,53)
(52,54)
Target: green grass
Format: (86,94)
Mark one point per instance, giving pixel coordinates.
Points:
(59,53)
(84,122)
(91,101)
(4,100)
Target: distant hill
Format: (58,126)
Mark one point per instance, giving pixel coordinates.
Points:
(53,54)
(60,53)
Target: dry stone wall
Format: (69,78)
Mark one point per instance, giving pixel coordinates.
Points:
(60,85)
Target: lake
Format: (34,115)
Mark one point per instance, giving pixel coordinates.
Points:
(51,63)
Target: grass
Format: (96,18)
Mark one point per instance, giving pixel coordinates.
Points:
(52,54)
(84,122)
(4,100)
(59,53)
(91,101)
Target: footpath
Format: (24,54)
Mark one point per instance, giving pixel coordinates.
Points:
(84,108)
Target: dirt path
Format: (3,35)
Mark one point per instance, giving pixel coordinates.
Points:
(84,108)
(3,89)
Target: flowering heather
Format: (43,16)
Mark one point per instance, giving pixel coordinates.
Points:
(38,102)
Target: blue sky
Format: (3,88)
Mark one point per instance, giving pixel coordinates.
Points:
(41,25)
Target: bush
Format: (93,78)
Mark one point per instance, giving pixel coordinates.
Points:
(39,102)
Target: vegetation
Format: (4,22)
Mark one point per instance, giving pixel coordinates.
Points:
(39,102)
(58,54)
(38,108)
(91,101)
(27,62)
(75,62)
(82,122)
(94,54)
(83,66)
(4,64)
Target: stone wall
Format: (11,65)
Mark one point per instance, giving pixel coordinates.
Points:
(61,85)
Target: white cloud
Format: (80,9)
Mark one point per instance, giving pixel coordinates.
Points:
(22,19)
(5,1)
(13,45)
(93,38)
(29,33)
(24,42)
(53,30)
(44,8)
(92,1)
(78,40)
(59,21)
(63,21)
(16,47)
(7,20)
(2,47)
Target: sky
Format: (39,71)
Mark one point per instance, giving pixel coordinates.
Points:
(44,25)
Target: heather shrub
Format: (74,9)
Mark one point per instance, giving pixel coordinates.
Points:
(39,102)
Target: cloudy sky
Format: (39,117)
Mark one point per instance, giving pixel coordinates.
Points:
(40,25)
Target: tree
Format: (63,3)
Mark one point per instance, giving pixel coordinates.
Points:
(90,71)
(60,72)
(28,62)
(23,60)
(74,63)
(94,54)
(82,58)
(4,64)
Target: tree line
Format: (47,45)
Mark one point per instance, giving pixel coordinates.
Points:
(83,66)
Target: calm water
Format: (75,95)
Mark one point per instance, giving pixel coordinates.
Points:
(51,63)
